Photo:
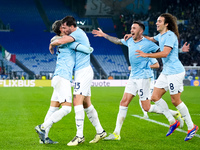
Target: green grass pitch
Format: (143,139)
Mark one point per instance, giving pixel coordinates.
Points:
(21,109)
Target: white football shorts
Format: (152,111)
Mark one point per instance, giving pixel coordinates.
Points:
(62,90)
(152,83)
(173,83)
(83,81)
(140,86)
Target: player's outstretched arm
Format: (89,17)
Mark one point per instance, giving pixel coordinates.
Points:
(150,38)
(79,47)
(100,33)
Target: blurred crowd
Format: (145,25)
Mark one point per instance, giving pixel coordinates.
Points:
(188,16)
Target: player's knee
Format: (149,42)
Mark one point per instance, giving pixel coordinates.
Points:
(66,110)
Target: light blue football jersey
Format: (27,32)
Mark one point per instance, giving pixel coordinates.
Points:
(140,68)
(171,64)
(65,62)
(82,59)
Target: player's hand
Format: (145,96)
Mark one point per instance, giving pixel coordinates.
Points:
(140,53)
(186,47)
(127,36)
(51,49)
(98,32)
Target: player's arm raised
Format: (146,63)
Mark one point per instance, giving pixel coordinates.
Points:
(112,39)
(150,38)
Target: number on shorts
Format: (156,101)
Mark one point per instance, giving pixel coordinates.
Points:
(77,85)
(141,92)
(151,91)
(171,85)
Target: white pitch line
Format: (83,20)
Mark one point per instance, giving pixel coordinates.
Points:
(166,125)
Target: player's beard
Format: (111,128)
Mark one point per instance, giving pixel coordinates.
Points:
(69,32)
(135,37)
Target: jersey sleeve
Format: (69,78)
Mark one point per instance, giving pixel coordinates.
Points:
(124,42)
(73,35)
(154,47)
(170,40)
(156,37)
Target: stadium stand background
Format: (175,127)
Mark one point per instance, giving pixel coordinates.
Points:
(25,30)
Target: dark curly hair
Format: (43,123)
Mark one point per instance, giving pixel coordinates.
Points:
(172,23)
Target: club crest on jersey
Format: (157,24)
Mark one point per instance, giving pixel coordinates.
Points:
(140,46)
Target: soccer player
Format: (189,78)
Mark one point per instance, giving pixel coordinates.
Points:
(140,73)
(153,63)
(172,75)
(61,84)
(83,77)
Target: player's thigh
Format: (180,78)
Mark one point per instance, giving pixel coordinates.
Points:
(62,89)
(143,86)
(160,87)
(175,83)
(157,94)
(83,80)
(161,82)
(131,87)
(152,83)
(54,97)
